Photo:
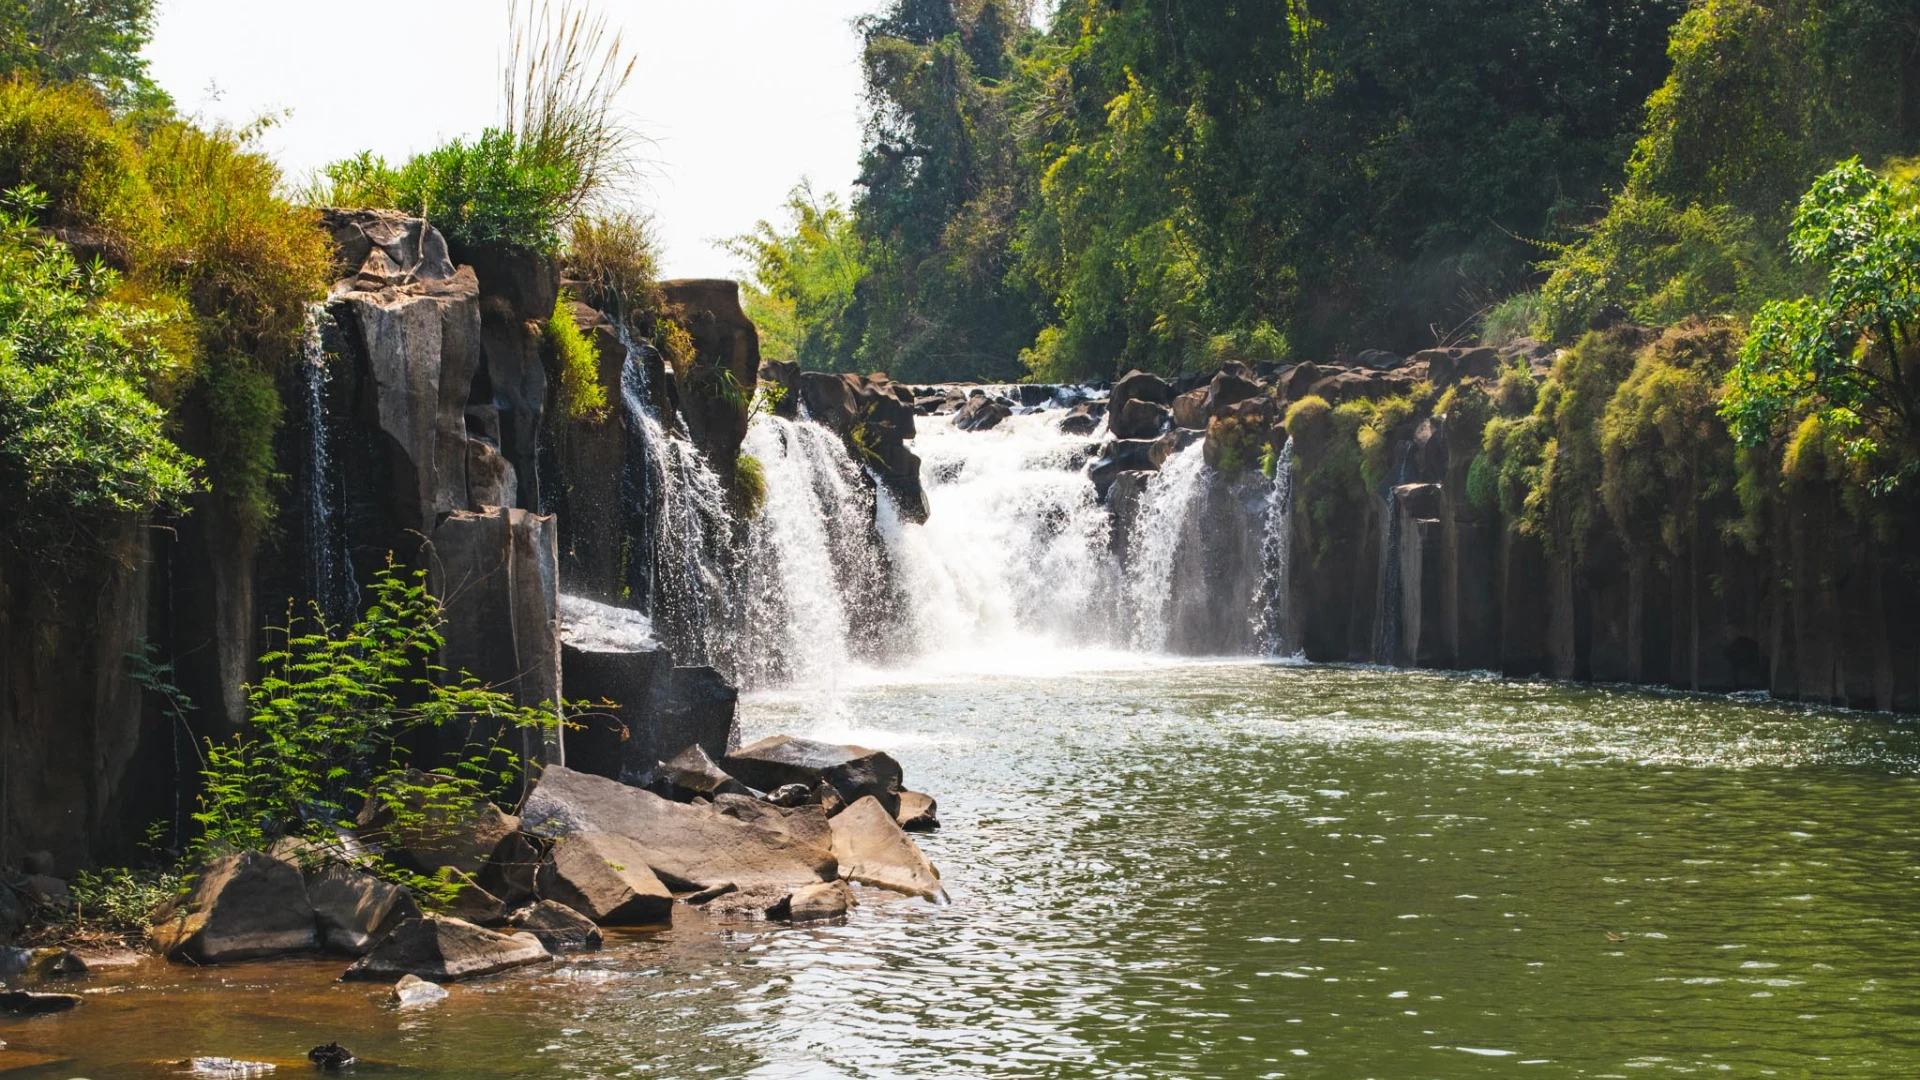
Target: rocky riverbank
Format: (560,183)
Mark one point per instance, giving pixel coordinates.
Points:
(784,830)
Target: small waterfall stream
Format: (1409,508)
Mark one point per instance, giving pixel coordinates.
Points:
(330,581)
(1276,632)
(1164,531)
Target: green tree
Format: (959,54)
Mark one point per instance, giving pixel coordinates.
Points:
(97,42)
(806,274)
(1847,359)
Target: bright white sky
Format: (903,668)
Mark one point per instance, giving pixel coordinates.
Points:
(743,97)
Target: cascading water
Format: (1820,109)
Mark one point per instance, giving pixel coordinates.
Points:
(1164,528)
(1386,642)
(329,564)
(1276,633)
(680,524)
(812,569)
(1016,554)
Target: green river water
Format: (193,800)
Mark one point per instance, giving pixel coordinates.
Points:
(1221,870)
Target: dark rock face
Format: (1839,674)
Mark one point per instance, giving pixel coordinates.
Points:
(605,878)
(981,413)
(726,348)
(242,907)
(1139,419)
(559,927)
(499,572)
(698,710)
(1124,456)
(874,418)
(28,1002)
(687,847)
(1138,385)
(1082,419)
(852,771)
(806,823)
(615,740)
(441,949)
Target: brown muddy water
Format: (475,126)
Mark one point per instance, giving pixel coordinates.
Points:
(1219,870)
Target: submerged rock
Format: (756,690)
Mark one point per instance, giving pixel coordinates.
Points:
(37,964)
(761,902)
(873,850)
(225,1068)
(688,847)
(605,878)
(443,949)
(27,1001)
(414,990)
(355,910)
(242,907)
(852,771)
(980,413)
(559,927)
(331,1057)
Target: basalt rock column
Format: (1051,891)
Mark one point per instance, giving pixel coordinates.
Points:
(716,387)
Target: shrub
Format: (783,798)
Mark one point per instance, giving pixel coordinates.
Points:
(62,140)
(1516,393)
(616,253)
(1516,317)
(79,435)
(97,44)
(329,725)
(576,364)
(1664,451)
(750,484)
(244,408)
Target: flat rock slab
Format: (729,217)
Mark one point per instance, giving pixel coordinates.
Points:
(241,907)
(806,823)
(852,771)
(441,949)
(874,850)
(757,903)
(690,848)
(605,878)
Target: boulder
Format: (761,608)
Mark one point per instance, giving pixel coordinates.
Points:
(873,850)
(1230,388)
(820,903)
(513,868)
(331,1058)
(1378,359)
(806,822)
(688,847)
(414,990)
(1124,456)
(1140,420)
(1138,385)
(697,710)
(355,910)
(1190,410)
(442,949)
(790,795)
(980,413)
(1448,366)
(917,812)
(692,775)
(378,248)
(626,680)
(474,902)
(1295,382)
(852,771)
(1357,385)
(559,927)
(605,878)
(241,907)
(35,965)
(1082,419)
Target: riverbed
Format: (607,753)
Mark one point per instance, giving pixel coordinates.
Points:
(1164,869)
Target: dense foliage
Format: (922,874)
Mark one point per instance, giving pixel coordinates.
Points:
(96,42)
(330,726)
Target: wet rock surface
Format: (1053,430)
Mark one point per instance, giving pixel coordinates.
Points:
(873,850)
(854,772)
(443,949)
(559,927)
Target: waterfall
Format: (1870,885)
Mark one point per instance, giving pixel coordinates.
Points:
(1275,632)
(812,575)
(330,581)
(681,528)
(1164,530)
(1016,554)
(1386,642)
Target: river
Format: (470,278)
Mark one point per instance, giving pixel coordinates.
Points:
(1165,869)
